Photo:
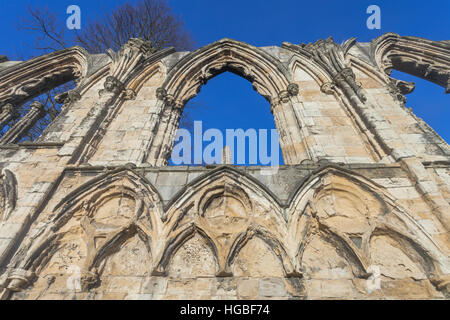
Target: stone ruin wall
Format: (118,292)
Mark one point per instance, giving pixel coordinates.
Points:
(90,210)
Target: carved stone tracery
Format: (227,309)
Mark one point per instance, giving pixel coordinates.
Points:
(8,194)
(417,56)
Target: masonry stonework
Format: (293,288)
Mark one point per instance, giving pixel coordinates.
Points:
(90,210)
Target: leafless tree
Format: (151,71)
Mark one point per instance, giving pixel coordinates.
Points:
(45,27)
(151,20)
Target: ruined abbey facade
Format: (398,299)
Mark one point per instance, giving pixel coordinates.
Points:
(360,210)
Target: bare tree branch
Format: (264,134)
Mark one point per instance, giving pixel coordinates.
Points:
(151,20)
(43,23)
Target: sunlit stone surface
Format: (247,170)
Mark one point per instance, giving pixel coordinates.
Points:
(360,210)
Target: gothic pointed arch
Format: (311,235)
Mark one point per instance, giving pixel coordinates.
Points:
(146,69)
(137,203)
(327,80)
(275,245)
(123,76)
(176,240)
(301,59)
(412,248)
(228,173)
(185,79)
(25,80)
(142,189)
(229,208)
(269,78)
(423,58)
(307,228)
(349,208)
(366,68)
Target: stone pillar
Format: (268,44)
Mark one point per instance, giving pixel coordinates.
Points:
(165,132)
(164,129)
(286,142)
(24,125)
(169,141)
(6,115)
(289,126)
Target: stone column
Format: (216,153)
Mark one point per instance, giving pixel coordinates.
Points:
(289,126)
(174,124)
(6,115)
(164,129)
(286,143)
(162,142)
(24,125)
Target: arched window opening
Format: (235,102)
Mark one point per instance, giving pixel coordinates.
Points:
(428,102)
(28,121)
(227,112)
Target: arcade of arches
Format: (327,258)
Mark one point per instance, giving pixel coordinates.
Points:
(360,210)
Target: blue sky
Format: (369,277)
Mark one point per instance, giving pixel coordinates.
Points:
(228,101)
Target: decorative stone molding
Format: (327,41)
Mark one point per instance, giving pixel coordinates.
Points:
(68,97)
(61,97)
(129,57)
(130,94)
(347,75)
(111,85)
(168,99)
(19,279)
(195,69)
(132,48)
(8,194)
(330,56)
(36,106)
(115,213)
(404,87)
(28,79)
(285,95)
(185,78)
(124,62)
(8,113)
(420,57)
(398,89)
(328,88)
